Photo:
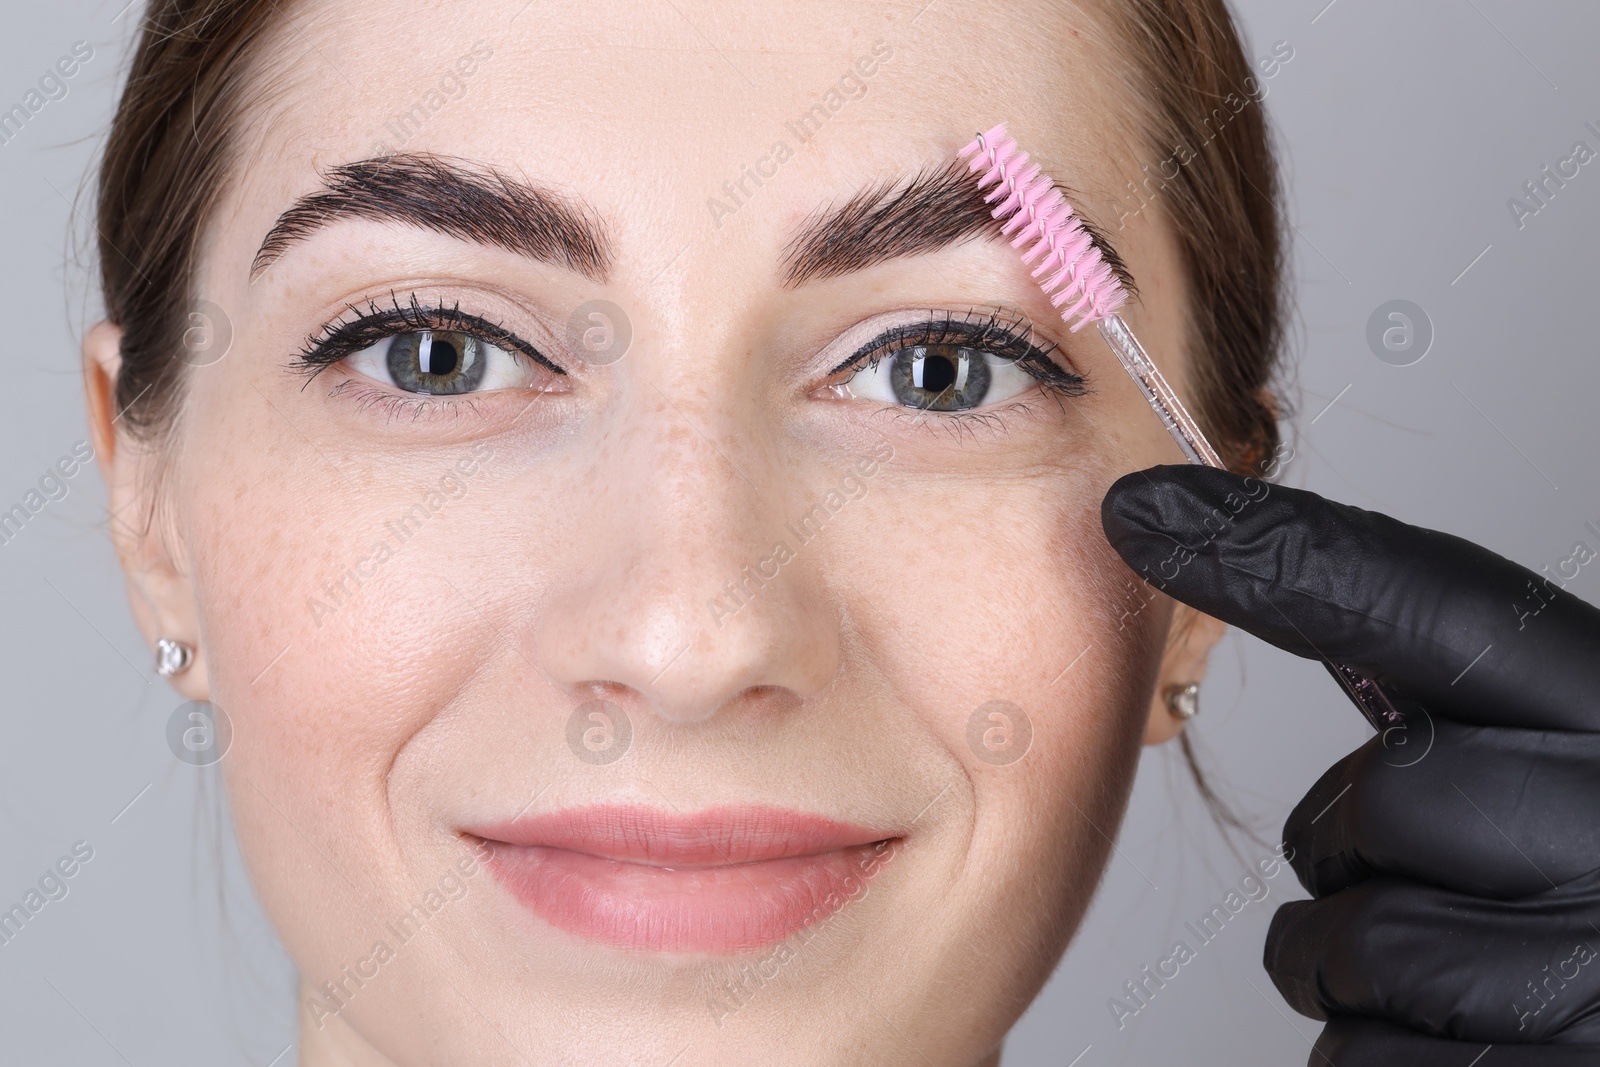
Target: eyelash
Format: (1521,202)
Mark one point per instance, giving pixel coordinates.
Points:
(982,331)
(345,337)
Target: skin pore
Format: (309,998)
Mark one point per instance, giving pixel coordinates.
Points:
(582,521)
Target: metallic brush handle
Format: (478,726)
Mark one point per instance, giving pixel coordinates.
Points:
(1367,694)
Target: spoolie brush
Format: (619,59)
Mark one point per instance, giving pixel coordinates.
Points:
(1071,271)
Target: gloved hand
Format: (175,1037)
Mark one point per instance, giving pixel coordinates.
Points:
(1453,860)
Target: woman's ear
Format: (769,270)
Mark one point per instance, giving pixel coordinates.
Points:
(1189,644)
(158,591)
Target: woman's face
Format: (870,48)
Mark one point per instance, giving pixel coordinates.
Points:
(617,672)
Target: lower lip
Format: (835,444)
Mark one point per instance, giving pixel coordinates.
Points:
(650,906)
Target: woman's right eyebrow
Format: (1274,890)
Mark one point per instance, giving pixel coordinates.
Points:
(450,197)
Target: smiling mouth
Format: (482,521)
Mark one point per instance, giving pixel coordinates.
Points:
(722,880)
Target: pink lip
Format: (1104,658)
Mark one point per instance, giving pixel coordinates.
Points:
(721,880)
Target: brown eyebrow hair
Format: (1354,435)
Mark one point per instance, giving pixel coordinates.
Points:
(451,197)
(937,207)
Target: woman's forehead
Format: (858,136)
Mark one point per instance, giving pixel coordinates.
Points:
(703,130)
(663,109)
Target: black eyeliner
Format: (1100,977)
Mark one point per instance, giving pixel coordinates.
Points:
(340,339)
(992,334)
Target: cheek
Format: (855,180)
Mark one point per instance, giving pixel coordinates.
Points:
(339,624)
(1000,590)
(341,619)
(996,610)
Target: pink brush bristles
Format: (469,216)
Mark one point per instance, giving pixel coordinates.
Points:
(1035,209)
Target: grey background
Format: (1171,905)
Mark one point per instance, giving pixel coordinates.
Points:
(1404,129)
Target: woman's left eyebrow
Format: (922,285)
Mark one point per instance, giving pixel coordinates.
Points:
(937,207)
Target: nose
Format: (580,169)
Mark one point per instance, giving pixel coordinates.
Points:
(685,588)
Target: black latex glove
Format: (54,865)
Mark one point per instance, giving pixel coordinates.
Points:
(1454,861)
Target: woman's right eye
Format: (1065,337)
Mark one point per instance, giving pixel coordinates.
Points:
(443,363)
(428,351)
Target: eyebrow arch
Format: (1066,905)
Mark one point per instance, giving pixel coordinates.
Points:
(450,197)
(937,207)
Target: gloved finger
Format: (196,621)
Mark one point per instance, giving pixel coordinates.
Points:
(1467,632)
(1444,964)
(1476,809)
(1354,1041)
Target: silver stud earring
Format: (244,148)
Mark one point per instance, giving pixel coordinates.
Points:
(172,657)
(1183,701)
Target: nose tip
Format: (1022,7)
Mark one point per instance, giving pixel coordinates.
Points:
(682,704)
(682,699)
(673,590)
(675,661)
(696,684)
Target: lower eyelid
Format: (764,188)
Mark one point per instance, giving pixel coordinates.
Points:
(396,404)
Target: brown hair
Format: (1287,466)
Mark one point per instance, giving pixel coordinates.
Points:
(165,167)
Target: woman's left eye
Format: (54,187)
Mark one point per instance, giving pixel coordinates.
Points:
(940,377)
(440,363)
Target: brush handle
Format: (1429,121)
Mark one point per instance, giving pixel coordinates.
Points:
(1367,694)
(1174,416)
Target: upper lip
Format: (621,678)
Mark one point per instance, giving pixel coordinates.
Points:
(710,837)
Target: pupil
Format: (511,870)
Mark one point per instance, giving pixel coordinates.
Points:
(443,358)
(939,377)
(938,373)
